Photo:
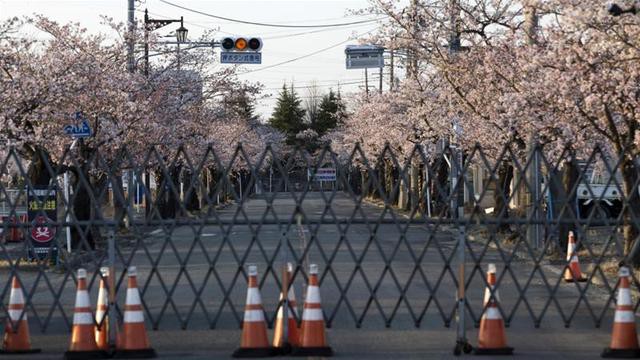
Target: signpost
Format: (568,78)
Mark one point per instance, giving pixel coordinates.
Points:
(42,212)
(240,58)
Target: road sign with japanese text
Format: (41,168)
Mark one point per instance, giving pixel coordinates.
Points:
(241,57)
(325,174)
(42,212)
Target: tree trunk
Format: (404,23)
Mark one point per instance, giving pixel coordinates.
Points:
(388,180)
(81,236)
(415,186)
(37,173)
(167,200)
(364,181)
(630,229)
(191,201)
(439,187)
(570,177)
(502,193)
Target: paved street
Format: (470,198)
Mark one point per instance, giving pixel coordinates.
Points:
(205,260)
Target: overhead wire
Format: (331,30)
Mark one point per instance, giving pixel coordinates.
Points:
(336,83)
(267,24)
(273,36)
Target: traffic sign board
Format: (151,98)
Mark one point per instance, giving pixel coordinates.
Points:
(325,174)
(241,57)
(364,56)
(81,129)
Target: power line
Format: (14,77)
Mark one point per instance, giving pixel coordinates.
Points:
(303,56)
(271,25)
(335,83)
(276,35)
(303,33)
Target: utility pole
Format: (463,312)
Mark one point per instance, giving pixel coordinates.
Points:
(391,79)
(462,344)
(412,58)
(366,82)
(380,86)
(456,158)
(534,211)
(131,21)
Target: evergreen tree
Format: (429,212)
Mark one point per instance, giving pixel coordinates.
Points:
(332,113)
(240,104)
(288,115)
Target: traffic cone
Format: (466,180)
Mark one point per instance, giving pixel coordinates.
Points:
(254,341)
(83,342)
(132,340)
(16,331)
(491,337)
(102,319)
(312,340)
(624,339)
(573,273)
(293,338)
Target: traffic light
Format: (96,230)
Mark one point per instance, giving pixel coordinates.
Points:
(241,44)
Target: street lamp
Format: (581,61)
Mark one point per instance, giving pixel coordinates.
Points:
(154,24)
(181,33)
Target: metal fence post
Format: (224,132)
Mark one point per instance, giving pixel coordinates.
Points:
(111,310)
(462,344)
(533,206)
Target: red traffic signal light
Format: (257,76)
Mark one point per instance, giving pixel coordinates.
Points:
(255,44)
(241,44)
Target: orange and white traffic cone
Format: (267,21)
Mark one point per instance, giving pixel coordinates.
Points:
(292,338)
(491,337)
(16,338)
(83,343)
(572,272)
(624,339)
(254,342)
(102,307)
(312,340)
(133,340)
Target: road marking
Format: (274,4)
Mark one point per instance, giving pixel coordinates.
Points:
(203,235)
(156,232)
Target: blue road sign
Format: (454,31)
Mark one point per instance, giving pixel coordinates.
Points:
(240,57)
(80,129)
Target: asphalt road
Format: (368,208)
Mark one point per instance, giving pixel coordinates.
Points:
(380,276)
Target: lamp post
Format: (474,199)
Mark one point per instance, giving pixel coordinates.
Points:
(154,24)
(181,37)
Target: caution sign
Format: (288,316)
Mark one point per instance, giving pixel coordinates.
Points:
(42,214)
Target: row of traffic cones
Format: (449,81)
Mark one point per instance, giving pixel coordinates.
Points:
(308,340)
(91,341)
(88,340)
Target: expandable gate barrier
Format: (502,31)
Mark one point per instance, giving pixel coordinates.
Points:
(394,237)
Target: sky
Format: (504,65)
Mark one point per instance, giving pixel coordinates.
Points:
(326,68)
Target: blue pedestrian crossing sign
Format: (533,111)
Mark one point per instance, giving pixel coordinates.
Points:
(240,57)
